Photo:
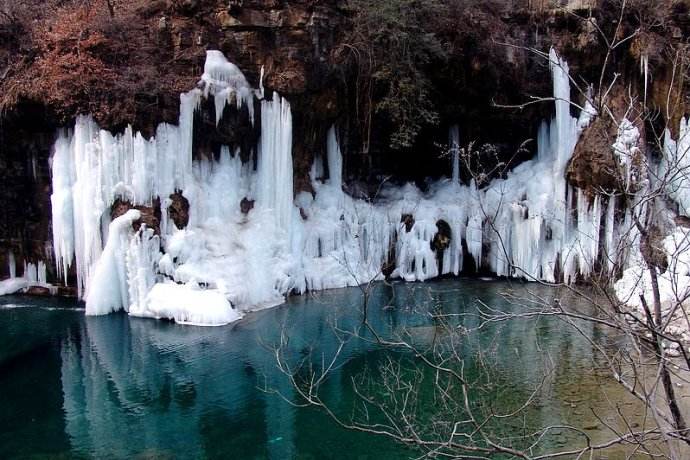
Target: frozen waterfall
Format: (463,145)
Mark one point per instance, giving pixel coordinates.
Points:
(229,260)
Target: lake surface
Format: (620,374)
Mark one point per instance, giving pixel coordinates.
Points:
(121,387)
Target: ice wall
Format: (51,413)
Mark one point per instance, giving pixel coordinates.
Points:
(675,167)
(227,260)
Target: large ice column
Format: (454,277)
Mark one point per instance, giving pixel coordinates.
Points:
(274,182)
(108,291)
(475,226)
(11,264)
(563,135)
(544,150)
(335,160)
(524,220)
(89,203)
(242,258)
(189,103)
(566,125)
(61,201)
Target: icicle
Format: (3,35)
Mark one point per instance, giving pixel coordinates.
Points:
(316,172)
(587,238)
(88,198)
(11,264)
(625,148)
(274,169)
(31,272)
(644,70)
(34,167)
(609,236)
(566,131)
(543,146)
(41,272)
(335,160)
(61,203)
(588,113)
(224,79)
(189,103)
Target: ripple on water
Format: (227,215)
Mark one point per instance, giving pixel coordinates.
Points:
(14,306)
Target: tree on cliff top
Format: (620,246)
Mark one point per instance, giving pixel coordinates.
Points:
(393,43)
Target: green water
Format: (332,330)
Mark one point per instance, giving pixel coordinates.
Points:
(120,387)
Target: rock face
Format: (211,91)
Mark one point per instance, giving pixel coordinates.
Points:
(179,210)
(128,65)
(150,215)
(593,166)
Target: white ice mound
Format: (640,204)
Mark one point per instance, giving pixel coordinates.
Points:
(188,304)
(13,285)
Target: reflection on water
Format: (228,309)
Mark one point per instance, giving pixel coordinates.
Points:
(114,386)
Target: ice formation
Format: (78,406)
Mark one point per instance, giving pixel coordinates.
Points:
(193,306)
(674,281)
(108,291)
(35,275)
(674,285)
(225,81)
(626,150)
(675,167)
(528,224)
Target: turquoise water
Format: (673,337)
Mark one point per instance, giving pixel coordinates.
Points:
(120,387)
